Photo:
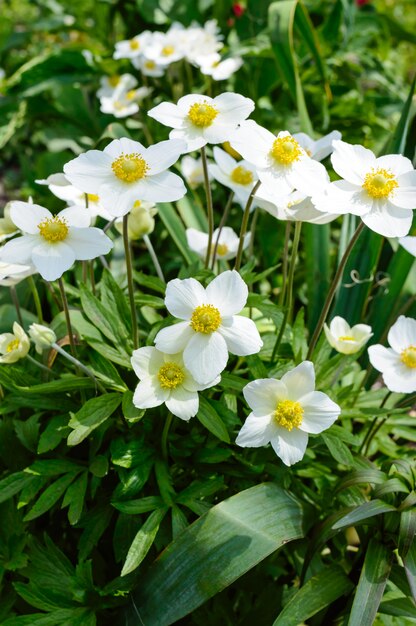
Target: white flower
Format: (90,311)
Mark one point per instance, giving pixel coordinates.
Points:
(201,40)
(211,327)
(165,379)
(382,191)
(52,243)
(227,243)
(130,48)
(42,336)
(219,70)
(320,148)
(14,346)
(164,49)
(200,120)
(109,84)
(345,338)
(140,220)
(409,244)
(118,106)
(58,180)
(7,227)
(398,363)
(71,195)
(148,67)
(285,412)
(282,164)
(11,273)
(239,176)
(295,207)
(126,171)
(192,171)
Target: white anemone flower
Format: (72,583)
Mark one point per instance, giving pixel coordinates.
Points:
(345,338)
(118,106)
(42,336)
(295,207)
(192,171)
(126,171)
(71,195)
(211,327)
(409,244)
(52,243)
(164,49)
(397,363)
(382,191)
(227,243)
(218,69)
(200,120)
(148,67)
(285,412)
(201,40)
(319,149)
(14,346)
(281,162)
(164,379)
(12,274)
(130,48)
(239,176)
(109,84)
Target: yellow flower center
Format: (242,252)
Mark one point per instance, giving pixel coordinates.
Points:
(288,414)
(137,204)
(114,80)
(380,183)
(167,51)
(170,376)
(92,197)
(118,105)
(286,150)
(130,167)
(202,114)
(408,357)
(150,65)
(54,229)
(134,44)
(241,175)
(13,345)
(346,338)
(222,249)
(130,95)
(205,319)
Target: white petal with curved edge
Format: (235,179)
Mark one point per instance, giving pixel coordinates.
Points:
(241,335)
(205,356)
(255,432)
(397,163)
(187,101)
(402,334)
(339,327)
(89,170)
(320,412)
(387,220)
(405,194)
(400,378)
(342,197)
(224,160)
(193,137)
(162,155)
(183,403)
(183,296)
(173,339)
(381,358)
(52,260)
(218,133)
(253,142)
(233,107)
(323,147)
(19,250)
(352,162)
(118,198)
(149,394)
(147,361)
(308,176)
(290,446)
(124,146)
(88,243)
(300,381)
(28,216)
(76,216)
(163,187)
(263,395)
(197,241)
(168,114)
(228,293)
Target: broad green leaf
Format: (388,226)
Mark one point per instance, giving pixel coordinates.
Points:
(93,413)
(107,321)
(373,579)
(209,418)
(143,541)
(364,512)
(316,594)
(338,449)
(409,562)
(225,543)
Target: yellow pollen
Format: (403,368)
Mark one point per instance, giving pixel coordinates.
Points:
(380,183)
(54,229)
(222,249)
(241,175)
(408,357)
(134,44)
(129,167)
(92,197)
(170,375)
(114,80)
(288,414)
(137,204)
(150,65)
(346,338)
(131,94)
(285,150)
(118,105)
(205,319)
(167,51)
(13,345)
(202,114)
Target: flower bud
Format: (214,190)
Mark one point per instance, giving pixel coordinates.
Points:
(140,220)
(42,336)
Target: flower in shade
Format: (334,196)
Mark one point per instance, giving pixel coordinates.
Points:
(382,191)
(285,412)
(42,336)
(12,273)
(192,171)
(126,171)
(345,338)
(227,243)
(52,243)
(14,346)
(165,379)
(319,149)
(63,190)
(239,176)
(397,363)
(199,119)
(281,162)
(165,48)
(211,327)
(409,244)
(295,207)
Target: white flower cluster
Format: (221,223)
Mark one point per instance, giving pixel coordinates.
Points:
(119,95)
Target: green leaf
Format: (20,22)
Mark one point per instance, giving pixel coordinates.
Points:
(363,512)
(93,413)
(14,483)
(225,543)
(176,230)
(7,131)
(74,497)
(316,240)
(50,496)
(107,321)
(56,429)
(209,418)
(143,541)
(316,594)
(338,449)
(407,531)
(373,579)
(134,507)
(409,562)
(397,142)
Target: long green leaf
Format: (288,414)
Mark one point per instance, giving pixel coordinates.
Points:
(214,551)
(364,512)
(176,230)
(316,240)
(143,541)
(92,414)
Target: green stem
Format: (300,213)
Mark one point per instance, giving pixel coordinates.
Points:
(40,365)
(288,308)
(79,365)
(36,299)
(244,224)
(154,258)
(253,231)
(221,226)
(373,428)
(92,277)
(332,289)
(129,267)
(210,209)
(67,318)
(285,263)
(165,433)
(13,294)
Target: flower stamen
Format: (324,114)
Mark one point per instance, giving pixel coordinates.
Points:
(205,319)
(241,175)
(286,150)
(54,229)
(13,345)
(346,338)
(288,414)
(171,375)
(130,167)
(134,44)
(408,357)
(380,183)
(202,114)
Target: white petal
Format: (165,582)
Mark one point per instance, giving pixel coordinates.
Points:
(387,220)
(28,216)
(149,394)
(193,137)
(89,170)
(300,381)
(118,198)
(340,327)
(253,142)
(77,216)
(402,334)
(163,187)
(255,432)
(52,260)
(264,394)
(409,244)
(405,194)
(352,162)
(205,356)
(323,147)
(400,378)
(147,361)
(124,145)
(233,107)
(320,412)
(224,160)
(19,250)
(183,403)
(381,358)
(167,114)
(173,339)
(308,176)
(88,243)
(397,163)
(183,296)
(218,133)
(290,446)
(197,241)
(342,197)
(228,293)
(241,335)
(162,155)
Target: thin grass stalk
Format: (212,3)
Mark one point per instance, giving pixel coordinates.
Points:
(221,226)
(130,284)
(210,208)
(244,225)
